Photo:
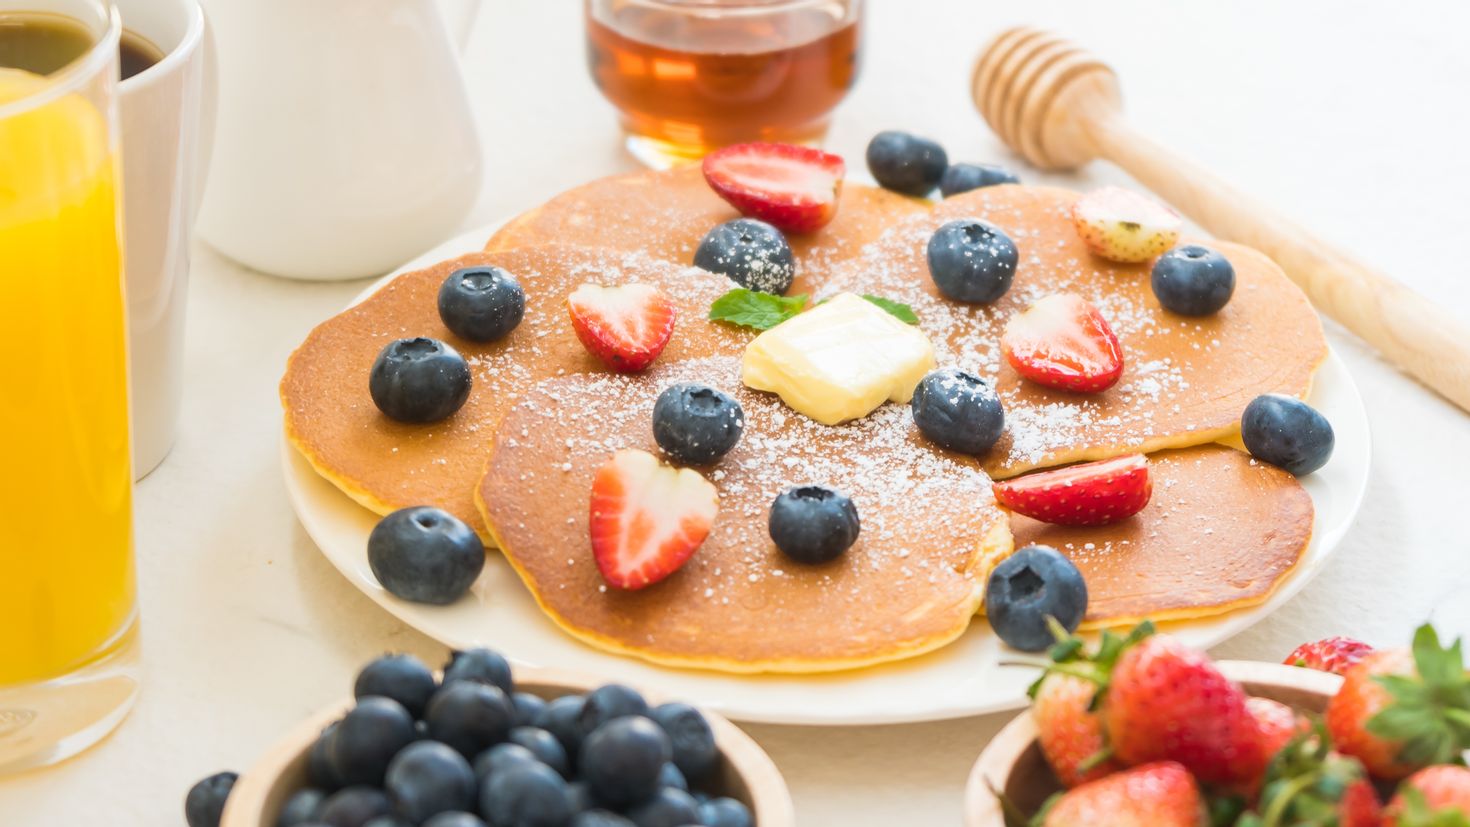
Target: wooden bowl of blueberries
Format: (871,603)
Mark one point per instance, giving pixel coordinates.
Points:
(475,746)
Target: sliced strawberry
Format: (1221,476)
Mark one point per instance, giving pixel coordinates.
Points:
(1333,654)
(625,326)
(1062,341)
(792,187)
(1093,493)
(647,518)
(1122,225)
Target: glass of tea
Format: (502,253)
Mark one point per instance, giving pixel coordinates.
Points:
(67,602)
(691,76)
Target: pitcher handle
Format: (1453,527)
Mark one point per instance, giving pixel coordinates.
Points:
(460,16)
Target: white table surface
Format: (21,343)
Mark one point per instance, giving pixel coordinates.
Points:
(1347,115)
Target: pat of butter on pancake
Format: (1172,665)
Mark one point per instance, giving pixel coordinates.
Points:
(839,361)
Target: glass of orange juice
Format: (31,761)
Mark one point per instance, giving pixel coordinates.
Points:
(67,598)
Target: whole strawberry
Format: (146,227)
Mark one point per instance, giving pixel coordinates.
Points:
(1401,710)
(1069,731)
(1161,794)
(1436,796)
(1279,723)
(1333,654)
(1308,784)
(1166,702)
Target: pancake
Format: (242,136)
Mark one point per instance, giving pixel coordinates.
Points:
(666,213)
(931,531)
(1185,380)
(1220,534)
(386,465)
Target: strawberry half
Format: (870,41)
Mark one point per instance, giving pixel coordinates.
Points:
(1062,341)
(626,326)
(793,187)
(1093,493)
(1122,225)
(1333,654)
(647,518)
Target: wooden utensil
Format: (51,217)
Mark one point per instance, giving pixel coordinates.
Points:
(745,772)
(1060,107)
(1013,764)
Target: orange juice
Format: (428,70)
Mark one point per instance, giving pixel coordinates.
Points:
(66,572)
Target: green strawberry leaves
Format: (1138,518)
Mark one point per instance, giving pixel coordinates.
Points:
(749,308)
(1305,783)
(1417,813)
(1430,712)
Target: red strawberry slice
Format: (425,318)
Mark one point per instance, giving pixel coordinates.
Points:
(1062,341)
(647,518)
(792,187)
(1333,654)
(625,326)
(1093,493)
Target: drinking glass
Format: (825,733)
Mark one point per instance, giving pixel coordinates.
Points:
(67,603)
(690,76)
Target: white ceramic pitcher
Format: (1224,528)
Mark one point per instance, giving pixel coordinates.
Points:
(346,144)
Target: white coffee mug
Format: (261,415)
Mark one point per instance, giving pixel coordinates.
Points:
(167,118)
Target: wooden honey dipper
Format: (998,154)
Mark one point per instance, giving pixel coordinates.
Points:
(1059,107)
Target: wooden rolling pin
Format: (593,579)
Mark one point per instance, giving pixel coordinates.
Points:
(1059,107)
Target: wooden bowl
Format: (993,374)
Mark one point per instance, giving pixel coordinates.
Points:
(745,772)
(1013,764)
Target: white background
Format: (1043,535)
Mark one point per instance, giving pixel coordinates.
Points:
(1351,116)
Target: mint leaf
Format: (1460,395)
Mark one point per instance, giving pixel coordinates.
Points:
(898,310)
(749,308)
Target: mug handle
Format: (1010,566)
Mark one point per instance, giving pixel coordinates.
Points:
(460,16)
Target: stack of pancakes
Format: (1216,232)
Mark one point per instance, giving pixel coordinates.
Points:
(517,461)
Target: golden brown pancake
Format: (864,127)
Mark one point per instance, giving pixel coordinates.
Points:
(1185,380)
(667,213)
(1221,533)
(386,465)
(931,531)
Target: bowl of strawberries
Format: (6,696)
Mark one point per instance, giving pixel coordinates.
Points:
(1142,730)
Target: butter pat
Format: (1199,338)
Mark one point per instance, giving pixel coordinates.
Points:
(840,360)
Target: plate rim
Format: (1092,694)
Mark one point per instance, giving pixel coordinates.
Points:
(296,471)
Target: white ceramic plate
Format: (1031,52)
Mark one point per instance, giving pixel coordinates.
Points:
(962,679)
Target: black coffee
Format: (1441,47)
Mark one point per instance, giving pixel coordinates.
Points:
(46,43)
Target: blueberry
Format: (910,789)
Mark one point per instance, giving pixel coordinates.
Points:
(692,738)
(404,678)
(501,757)
(205,802)
(670,776)
(725,812)
(623,759)
(696,424)
(319,769)
(528,795)
(419,380)
(1193,280)
(608,702)
(427,778)
(368,738)
(582,799)
(482,666)
(560,718)
(958,411)
(813,524)
(470,716)
(454,820)
(1287,432)
(528,708)
(668,808)
(481,304)
(1031,585)
(302,807)
(906,163)
(425,555)
(960,178)
(389,820)
(354,807)
(544,746)
(750,253)
(601,818)
(972,261)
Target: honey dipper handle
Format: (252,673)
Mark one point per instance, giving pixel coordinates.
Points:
(1423,338)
